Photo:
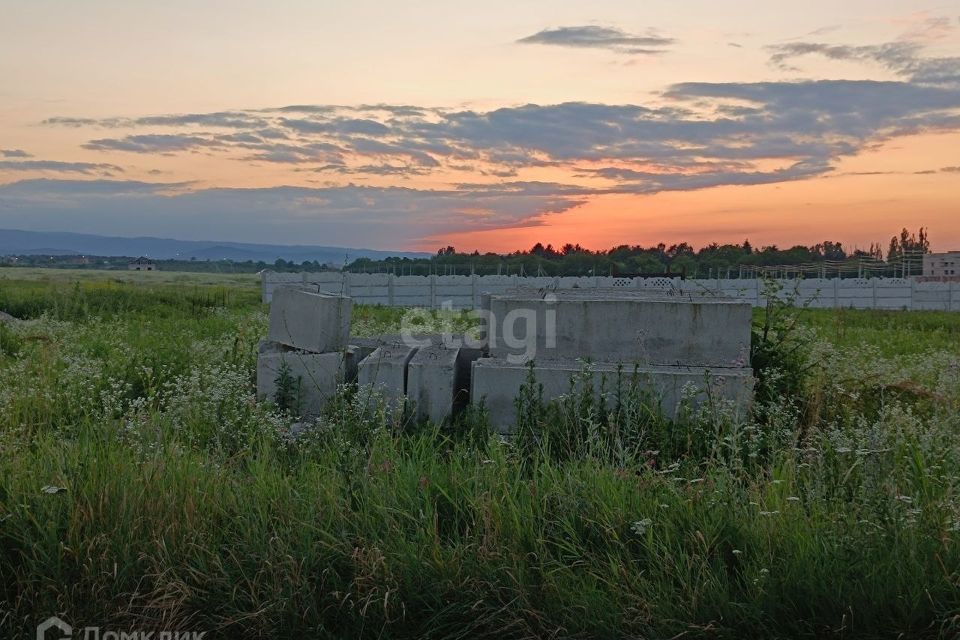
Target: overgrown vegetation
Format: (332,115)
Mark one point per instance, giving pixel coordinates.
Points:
(179,503)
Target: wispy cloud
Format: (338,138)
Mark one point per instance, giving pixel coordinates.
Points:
(903,56)
(597,37)
(151,143)
(53,166)
(223,119)
(15,153)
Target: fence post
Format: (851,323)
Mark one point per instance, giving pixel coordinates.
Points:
(475,290)
(836,293)
(950,296)
(433,291)
(390,297)
(874,280)
(345,279)
(913,294)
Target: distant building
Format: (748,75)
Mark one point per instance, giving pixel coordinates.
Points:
(941,265)
(142,264)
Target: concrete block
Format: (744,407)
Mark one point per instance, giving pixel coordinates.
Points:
(367,345)
(622,325)
(384,372)
(496,383)
(311,321)
(269,346)
(317,375)
(438,381)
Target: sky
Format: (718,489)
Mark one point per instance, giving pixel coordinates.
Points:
(487,126)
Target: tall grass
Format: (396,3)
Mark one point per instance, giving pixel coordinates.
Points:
(174,501)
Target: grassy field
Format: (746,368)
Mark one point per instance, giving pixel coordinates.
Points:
(142,488)
(144,278)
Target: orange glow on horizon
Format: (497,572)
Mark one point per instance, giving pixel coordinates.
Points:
(864,201)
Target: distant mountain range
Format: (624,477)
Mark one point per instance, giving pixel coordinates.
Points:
(14,242)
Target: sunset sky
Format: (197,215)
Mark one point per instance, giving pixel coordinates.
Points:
(490,126)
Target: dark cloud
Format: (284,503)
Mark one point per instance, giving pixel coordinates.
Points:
(151,143)
(344,126)
(288,153)
(78,122)
(903,57)
(86,168)
(15,153)
(303,108)
(951,169)
(34,191)
(221,119)
(646,182)
(399,110)
(403,171)
(596,37)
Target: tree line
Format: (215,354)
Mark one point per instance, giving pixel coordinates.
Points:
(904,254)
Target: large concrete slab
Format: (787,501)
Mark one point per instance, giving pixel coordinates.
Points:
(384,372)
(316,375)
(311,321)
(618,326)
(438,381)
(496,383)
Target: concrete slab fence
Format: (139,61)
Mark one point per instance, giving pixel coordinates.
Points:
(463,292)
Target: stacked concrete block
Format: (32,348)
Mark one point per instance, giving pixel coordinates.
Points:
(662,341)
(669,345)
(438,381)
(618,326)
(383,373)
(315,376)
(310,321)
(308,334)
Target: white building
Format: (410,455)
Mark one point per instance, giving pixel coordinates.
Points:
(940,265)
